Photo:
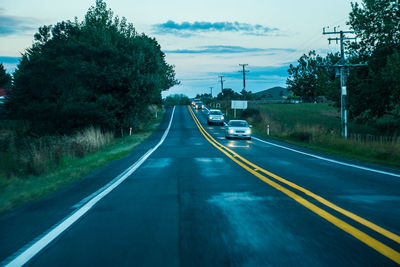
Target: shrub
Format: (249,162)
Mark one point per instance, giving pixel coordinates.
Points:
(301,136)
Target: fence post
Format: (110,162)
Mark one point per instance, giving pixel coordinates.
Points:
(268,129)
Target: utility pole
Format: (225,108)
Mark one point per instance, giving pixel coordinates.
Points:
(222,82)
(244,74)
(211,91)
(344,68)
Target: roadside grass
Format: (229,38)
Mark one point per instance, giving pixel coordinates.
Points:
(317,126)
(19,189)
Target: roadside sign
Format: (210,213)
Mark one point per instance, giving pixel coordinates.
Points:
(236,104)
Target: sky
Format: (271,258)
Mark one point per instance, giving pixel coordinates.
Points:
(202,39)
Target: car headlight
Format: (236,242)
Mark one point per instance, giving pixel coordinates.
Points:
(248,131)
(222,117)
(210,118)
(231,131)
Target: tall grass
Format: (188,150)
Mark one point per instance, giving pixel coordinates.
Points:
(27,155)
(33,167)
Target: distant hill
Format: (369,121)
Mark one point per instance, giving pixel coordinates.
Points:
(277,92)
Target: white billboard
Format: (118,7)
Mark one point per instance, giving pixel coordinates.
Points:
(238,104)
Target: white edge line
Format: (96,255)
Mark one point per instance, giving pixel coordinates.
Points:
(330,160)
(33,248)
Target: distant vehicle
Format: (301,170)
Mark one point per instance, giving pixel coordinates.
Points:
(194,100)
(199,105)
(215,116)
(238,129)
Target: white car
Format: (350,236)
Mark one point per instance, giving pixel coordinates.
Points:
(215,116)
(238,129)
(199,105)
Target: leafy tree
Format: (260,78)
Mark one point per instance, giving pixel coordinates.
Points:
(374,91)
(205,98)
(176,99)
(310,78)
(97,72)
(376,23)
(228,94)
(5,78)
(247,95)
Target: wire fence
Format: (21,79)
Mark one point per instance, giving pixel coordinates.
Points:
(367,138)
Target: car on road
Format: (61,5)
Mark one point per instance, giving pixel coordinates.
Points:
(215,116)
(194,100)
(199,105)
(238,129)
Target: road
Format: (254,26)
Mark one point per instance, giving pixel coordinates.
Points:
(197,199)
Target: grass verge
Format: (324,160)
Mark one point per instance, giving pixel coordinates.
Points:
(17,190)
(317,127)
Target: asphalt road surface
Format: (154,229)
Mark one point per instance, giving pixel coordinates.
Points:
(189,197)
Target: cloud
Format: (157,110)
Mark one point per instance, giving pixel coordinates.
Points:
(257,73)
(10,25)
(188,29)
(9,60)
(225,49)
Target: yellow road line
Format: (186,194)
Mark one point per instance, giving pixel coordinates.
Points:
(320,199)
(363,237)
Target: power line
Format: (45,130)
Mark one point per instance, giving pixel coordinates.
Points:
(244,74)
(343,67)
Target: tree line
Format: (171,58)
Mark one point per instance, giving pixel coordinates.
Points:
(373,90)
(95,72)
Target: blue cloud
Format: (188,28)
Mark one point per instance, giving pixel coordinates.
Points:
(225,49)
(187,29)
(9,60)
(13,25)
(258,73)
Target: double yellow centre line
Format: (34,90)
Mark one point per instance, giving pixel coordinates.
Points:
(269,178)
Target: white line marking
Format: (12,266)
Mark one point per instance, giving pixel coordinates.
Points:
(330,160)
(207,109)
(26,253)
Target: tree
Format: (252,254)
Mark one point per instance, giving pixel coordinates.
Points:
(205,98)
(311,78)
(97,72)
(228,94)
(376,23)
(176,99)
(5,78)
(374,91)
(247,95)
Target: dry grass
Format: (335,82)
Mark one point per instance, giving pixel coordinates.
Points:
(32,168)
(24,156)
